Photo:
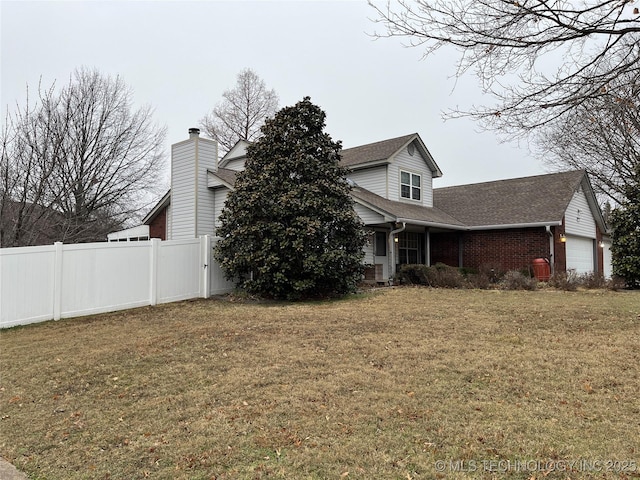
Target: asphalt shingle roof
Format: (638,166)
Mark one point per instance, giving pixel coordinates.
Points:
(519,201)
(516,201)
(373,152)
(226,175)
(406,211)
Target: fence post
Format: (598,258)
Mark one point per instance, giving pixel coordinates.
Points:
(205,262)
(153,274)
(57,281)
(1,289)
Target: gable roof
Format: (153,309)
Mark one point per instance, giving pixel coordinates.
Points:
(404,212)
(525,201)
(518,202)
(239,150)
(398,211)
(157,208)
(384,151)
(539,200)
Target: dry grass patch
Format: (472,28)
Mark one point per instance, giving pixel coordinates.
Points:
(383,385)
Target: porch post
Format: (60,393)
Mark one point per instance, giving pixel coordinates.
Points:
(392,255)
(392,245)
(427,246)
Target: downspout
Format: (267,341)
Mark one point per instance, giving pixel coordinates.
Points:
(392,248)
(552,250)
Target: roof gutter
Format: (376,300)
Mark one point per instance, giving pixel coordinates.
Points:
(424,223)
(449,226)
(372,163)
(514,225)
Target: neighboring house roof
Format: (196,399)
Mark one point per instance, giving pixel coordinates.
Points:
(384,151)
(404,212)
(41,225)
(163,203)
(526,201)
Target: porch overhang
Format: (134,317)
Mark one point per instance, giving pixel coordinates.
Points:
(423,223)
(554,223)
(220,179)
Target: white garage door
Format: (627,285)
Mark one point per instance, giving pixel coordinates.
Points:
(580,254)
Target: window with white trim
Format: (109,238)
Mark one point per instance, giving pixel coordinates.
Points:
(410,248)
(410,185)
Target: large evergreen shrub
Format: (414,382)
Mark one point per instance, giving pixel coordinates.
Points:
(625,237)
(289,229)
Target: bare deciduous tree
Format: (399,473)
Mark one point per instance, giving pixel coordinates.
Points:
(27,186)
(241,112)
(540,60)
(601,136)
(78,164)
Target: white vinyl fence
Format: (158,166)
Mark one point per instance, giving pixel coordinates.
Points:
(58,281)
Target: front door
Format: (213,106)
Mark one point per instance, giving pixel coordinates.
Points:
(380,258)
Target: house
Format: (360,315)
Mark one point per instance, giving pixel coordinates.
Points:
(502,225)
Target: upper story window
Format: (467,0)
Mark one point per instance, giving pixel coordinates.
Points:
(410,185)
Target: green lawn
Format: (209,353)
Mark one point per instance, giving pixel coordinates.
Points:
(397,383)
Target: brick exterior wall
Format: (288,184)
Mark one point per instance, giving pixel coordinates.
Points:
(600,251)
(444,248)
(560,248)
(502,250)
(158,226)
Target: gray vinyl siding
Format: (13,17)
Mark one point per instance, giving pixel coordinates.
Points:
(207,160)
(578,217)
(237,154)
(183,184)
(169,223)
(373,179)
(413,164)
(427,190)
(368,248)
(213,181)
(236,164)
(220,197)
(192,207)
(368,217)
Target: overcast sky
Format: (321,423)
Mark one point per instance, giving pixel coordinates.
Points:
(180,56)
